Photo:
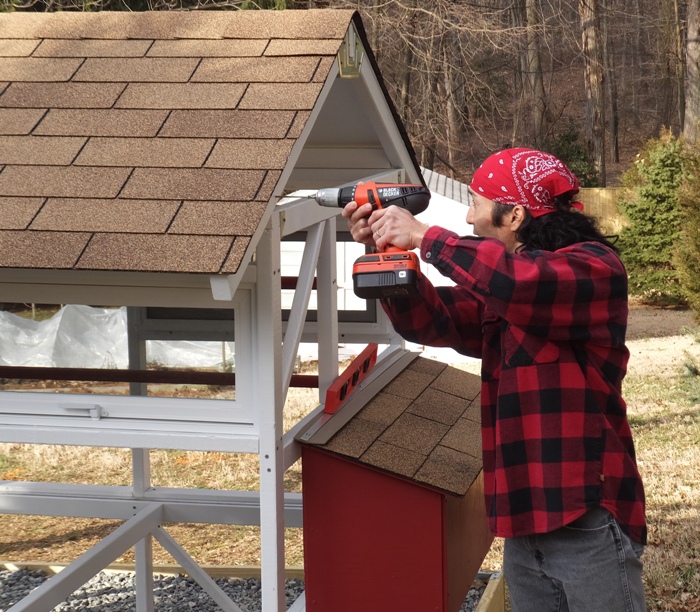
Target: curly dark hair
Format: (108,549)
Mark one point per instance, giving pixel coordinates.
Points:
(555,230)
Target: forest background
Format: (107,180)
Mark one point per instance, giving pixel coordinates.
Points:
(588,80)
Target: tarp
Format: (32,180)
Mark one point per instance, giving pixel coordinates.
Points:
(86,337)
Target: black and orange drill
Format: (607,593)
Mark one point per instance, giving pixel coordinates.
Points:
(392,272)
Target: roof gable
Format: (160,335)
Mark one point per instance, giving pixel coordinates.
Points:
(153,141)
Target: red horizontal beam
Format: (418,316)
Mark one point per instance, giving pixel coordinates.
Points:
(290,282)
(138,376)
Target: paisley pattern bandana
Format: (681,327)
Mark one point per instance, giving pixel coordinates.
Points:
(527,177)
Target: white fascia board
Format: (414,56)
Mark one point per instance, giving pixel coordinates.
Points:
(106,288)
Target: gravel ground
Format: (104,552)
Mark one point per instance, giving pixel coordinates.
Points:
(114,592)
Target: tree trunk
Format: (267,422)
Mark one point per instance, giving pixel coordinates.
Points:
(517,15)
(680,73)
(408,68)
(534,72)
(637,63)
(430,120)
(451,82)
(691,123)
(611,87)
(376,9)
(593,84)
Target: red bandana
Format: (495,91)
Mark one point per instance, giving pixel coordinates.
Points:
(527,177)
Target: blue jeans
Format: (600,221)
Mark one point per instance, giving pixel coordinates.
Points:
(590,565)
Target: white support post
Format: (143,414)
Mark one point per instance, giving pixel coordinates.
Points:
(143,576)
(59,587)
(300,304)
(327,309)
(140,464)
(267,381)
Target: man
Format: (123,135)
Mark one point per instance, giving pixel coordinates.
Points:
(541,299)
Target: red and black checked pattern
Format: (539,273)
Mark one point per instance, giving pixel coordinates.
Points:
(549,328)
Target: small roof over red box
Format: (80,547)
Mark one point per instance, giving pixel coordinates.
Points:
(424,426)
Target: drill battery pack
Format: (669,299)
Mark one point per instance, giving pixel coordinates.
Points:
(386,274)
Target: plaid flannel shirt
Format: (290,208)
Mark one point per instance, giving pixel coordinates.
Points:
(549,327)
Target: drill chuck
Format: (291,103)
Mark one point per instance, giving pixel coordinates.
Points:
(329,196)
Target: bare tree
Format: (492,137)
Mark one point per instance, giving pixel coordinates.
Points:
(610,85)
(593,76)
(691,123)
(534,72)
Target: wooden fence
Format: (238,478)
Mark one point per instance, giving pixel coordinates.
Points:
(602,204)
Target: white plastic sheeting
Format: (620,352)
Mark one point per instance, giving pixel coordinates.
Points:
(85,337)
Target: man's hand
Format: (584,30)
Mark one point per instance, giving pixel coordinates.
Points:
(393,225)
(358,222)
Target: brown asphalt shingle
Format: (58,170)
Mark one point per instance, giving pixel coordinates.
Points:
(152,141)
(41,249)
(39,150)
(242,153)
(207,48)
(146,152)
(19,121)
(62,181)
(424,434)
(137,70)
(218,218)
(135,252)
(449,470)
(93,48)
(36,69)
(106,216)
(99,122)
(191,184)
(236,255)
(17,213)
(181,95)
(281,96)
(17,48)
(61,95)
(256,69)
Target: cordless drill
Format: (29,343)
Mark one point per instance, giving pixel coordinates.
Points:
(392,272)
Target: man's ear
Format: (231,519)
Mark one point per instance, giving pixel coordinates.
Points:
(517,217)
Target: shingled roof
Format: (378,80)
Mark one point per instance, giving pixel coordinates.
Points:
(156,141)
(424,426)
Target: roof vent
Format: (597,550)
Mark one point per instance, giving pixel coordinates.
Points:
(350,55)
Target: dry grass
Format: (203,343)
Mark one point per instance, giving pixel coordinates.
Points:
(664,408)
(665,416)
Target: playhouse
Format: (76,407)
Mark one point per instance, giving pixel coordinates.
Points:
(144,162)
